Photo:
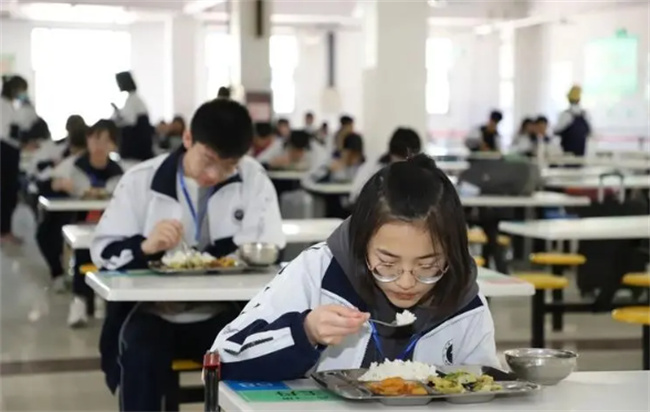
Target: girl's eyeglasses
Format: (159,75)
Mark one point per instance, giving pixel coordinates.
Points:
(388,273)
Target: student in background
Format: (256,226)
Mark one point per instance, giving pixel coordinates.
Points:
(297,154)
(404,247)
(404,143)
(345,168)
(309,123)
(322,134)
(52,185)
(523,142)
(133,119)
(573,125)
(486,138)
(9,156)
(346,127)
(171,135)
(283,129)
(223,93)
(207,194)
(266,146)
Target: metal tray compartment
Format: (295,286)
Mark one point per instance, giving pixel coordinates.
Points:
(345,384)
(158,267)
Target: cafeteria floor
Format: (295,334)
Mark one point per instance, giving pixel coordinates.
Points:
(44,365)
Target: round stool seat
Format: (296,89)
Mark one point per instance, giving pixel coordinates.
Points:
(637,279)
(639,315)
(563,259)
(545,281)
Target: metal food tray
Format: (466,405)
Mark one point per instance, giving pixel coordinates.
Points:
(158,267)
(345,384)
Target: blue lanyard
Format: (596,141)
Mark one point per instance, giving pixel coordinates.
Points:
(198,219)
(409,348)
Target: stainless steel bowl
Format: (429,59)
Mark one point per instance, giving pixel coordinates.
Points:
(259,254)
(543,366)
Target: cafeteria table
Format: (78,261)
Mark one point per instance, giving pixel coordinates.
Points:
(144,286)
(295,230)
(629,182)
(581,391)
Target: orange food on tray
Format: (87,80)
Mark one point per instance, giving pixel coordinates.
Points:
(396,387)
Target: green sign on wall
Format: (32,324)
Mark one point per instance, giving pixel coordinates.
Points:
(611,67)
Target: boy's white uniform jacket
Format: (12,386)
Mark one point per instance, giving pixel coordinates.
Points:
(268,340)
(242,209)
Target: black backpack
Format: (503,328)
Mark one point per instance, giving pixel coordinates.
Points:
(505,176)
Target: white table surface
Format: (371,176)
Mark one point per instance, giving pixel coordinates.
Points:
(537,199)
(593,182)
(72,205)
(581,391)
(155,288)
(296,231)
(341,189)
(286,174)
(571,172)
(592,228)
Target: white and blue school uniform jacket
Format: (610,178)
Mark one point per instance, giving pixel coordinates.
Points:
(268,342)
(366,171)
(242,209)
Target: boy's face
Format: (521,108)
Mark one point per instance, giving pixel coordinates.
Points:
(284,130)
(261,141)
(295,155)
(541,127)
(204,165)
(100,144)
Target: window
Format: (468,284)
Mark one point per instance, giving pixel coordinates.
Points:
(284,60)
(218,60)
(439,61)
(74,73)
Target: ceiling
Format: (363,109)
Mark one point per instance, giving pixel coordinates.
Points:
(306,10)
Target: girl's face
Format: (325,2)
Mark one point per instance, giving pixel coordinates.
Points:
(401,247)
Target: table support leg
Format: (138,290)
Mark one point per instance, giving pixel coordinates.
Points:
(558,297)
(537,319)
(645,341)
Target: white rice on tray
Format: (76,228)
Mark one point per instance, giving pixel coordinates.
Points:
(408,370)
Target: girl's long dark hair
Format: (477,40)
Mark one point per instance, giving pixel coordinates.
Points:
(415,191)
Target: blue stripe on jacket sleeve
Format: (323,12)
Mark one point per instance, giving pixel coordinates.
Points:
(289,363)
(133,243)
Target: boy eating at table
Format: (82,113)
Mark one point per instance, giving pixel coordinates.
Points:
(206,194)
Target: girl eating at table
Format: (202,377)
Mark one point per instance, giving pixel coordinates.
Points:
(403,248)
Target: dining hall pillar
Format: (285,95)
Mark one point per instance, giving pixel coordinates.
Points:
(394,80)
(250,30)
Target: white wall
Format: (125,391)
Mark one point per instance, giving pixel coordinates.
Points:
(561,47)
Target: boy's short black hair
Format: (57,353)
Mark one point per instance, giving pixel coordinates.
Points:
(541,119)
(263,129)
(77,139)
(106,125)
(353,142)
(404,143)
(496,116)
(125,82)
(346,120)
(282,120)
(223,125)
(309,114)
(299,140)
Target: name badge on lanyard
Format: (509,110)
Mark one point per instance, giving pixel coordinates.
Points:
(197,215)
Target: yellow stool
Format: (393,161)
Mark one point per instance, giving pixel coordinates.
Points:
(557,259)
(477,235)
(185,365)
(542,282)
(639,315)
(89,267)
(479,261)
(641,280)
(558,262)
(175,394)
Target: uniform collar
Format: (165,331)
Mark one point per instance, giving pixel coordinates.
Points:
(164,180)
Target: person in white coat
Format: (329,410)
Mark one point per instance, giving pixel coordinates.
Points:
(210,196)
(133,119)
(404,247)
